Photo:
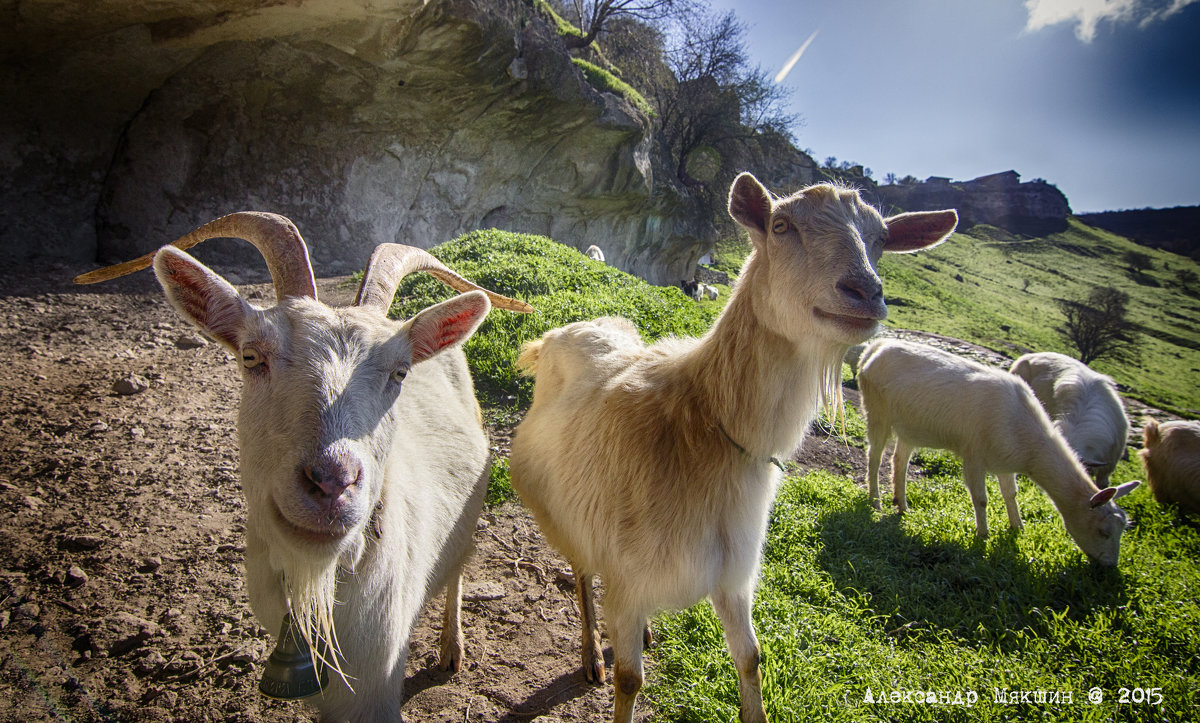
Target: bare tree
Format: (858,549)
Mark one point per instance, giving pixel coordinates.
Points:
(595,16)
(714,98)
(1099,327)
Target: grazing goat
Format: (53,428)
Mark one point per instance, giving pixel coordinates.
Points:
(363,458)
(690,289)
(931,398)
(1172,460)
(652,466)
(853,357)
(594,253)
(1083,405)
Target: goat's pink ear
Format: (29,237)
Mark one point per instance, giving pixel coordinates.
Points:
(916,230)
(1109,494)
(201,296)
(447,324)
(750,205)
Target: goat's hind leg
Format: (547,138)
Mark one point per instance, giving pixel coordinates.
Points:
(593,654)
(452,645)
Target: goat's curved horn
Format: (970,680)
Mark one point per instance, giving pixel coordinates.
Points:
(390,263)
(275,237)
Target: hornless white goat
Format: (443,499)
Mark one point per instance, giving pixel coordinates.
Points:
(1172,460)
(363,458)
(652,466)
(594,253)
(1083,405)
(931,398)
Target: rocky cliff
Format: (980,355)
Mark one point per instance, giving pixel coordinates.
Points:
(125,123)
(1034,208)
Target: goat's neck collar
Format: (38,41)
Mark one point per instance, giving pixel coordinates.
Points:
(768,460)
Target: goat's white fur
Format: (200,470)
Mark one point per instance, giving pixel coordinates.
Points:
(1084,406)
(628,457)
(927,397)
(323,384)
(594,253)
(1172,459)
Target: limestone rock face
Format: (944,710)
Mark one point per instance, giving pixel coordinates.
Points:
(1001,199)
(129,123)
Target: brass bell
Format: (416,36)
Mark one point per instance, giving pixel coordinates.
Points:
(290,673)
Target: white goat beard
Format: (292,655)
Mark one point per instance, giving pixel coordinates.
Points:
(312,593)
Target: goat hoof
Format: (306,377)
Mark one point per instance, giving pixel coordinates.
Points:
(595,672)
(451,657)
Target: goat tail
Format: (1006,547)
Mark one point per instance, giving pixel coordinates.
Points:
(531,353)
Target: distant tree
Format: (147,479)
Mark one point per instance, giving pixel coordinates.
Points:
(1099,326)
(1137,261)
(909,180)
(596,16)
(890,179)
(831,162)
(1187,278)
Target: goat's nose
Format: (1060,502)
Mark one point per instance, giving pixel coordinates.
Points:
(861,288)
(330,475)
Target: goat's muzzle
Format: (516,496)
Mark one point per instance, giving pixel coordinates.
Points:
(326,500)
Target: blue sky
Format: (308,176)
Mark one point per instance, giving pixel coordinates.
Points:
(1099,97)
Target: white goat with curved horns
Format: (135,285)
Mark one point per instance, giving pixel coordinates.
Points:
(363,458)
(650,466)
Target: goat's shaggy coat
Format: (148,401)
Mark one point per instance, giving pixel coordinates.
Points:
(649,465)
(1172,460)
(1084,406)
(927,397)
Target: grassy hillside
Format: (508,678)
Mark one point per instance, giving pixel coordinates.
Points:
(991,288)
(563,286)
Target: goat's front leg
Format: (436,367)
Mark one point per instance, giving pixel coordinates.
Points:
(627,630)
(593,654)
(1008,489)
(733,607)
(877,439)
(452,636)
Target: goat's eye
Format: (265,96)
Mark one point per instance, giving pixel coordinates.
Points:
(251,357)
(399,374)
(780,225)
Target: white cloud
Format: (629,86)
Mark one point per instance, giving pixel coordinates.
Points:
(1087,14)
(787,67)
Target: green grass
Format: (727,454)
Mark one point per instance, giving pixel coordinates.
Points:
(999,291)
(561,284)
(852,600)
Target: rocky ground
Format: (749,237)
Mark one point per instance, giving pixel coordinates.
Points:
(121,593)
